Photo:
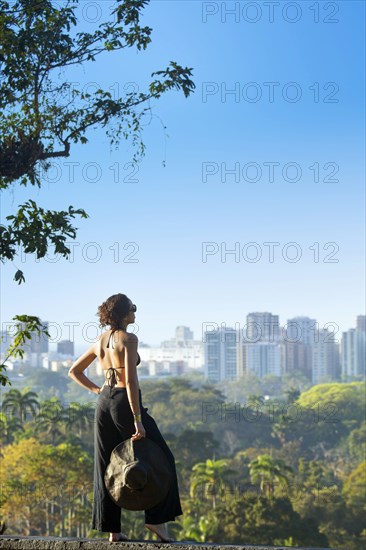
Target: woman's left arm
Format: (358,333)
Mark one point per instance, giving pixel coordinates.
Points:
(76,370)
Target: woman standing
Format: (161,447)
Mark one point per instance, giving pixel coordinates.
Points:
(120,415)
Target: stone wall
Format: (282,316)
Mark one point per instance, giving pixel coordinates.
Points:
(15,542)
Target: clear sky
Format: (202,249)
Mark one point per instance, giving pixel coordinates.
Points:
(280,159)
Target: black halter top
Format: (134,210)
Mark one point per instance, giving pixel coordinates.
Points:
(111,374)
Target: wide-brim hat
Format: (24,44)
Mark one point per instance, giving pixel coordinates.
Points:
(138,475)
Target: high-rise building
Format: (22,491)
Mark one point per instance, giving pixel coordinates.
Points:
(39,342)
(182,334)
(361,329)
(65,347)
(299,336)
(353,354)
(361,323)
(262,327)
(220,352)
(301,329)
(325,358)
(36,348)
(299,357)
(261,358)
(5,341)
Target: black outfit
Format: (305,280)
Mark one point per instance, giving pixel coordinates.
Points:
(113,424)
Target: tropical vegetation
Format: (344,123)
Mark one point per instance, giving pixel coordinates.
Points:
(293,475)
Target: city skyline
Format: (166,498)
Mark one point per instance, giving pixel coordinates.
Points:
(245,329)
(266,348)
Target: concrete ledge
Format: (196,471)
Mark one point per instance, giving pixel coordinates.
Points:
(16,542)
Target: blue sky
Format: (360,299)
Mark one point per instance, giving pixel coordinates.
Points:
(149,228)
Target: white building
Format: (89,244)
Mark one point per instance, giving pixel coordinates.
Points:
(173,357)
(261,358)
(172,368)
(181,350)
(221,354)
(262,327)
(191,355)
(353,354)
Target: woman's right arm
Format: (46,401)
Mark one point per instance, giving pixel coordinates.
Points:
(132,383)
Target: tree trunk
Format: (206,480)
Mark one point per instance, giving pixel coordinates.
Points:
(47,521)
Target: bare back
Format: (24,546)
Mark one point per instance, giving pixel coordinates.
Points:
(111,355)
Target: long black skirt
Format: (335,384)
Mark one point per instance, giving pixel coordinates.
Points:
(113,424)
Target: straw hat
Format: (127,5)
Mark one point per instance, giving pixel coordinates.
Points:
(138,475)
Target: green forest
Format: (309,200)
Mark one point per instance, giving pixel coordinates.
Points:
(252,469)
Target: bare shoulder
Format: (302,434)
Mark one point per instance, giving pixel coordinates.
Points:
(130,339)
(125,339)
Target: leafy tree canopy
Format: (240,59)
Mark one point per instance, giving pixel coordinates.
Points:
(339,401)
(256,519)
(354,487)
(42,115)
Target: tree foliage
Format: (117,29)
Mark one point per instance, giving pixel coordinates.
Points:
(36,229)
(42,115)
(341,400)
(267,471)
(21,404)
(44,485)
(211,476)
(24,328)
(262,520)
(354,490)
(251,495)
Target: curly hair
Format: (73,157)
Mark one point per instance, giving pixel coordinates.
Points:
(112,311)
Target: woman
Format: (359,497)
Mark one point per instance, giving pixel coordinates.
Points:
(121,415)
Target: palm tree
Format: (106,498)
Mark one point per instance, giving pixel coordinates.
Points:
(78,417)
(213,473)
(279,431)
(8,426)
(50,419)
(266,469)
(20,404)
(4,426)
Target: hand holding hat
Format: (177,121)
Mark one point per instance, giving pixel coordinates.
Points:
(138,475)
(140,430)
